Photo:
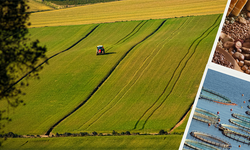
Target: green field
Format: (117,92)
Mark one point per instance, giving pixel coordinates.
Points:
(126,10)
(66,2)
(98,142)
(135,87)
(146,81)
(36,6)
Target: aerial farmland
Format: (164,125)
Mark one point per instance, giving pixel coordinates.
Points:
(137,95)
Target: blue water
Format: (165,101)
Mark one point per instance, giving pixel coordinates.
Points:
(231,87)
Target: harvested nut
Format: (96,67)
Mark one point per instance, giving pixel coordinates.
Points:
(241,63)
(247,71)
(238,44)
(247,40)
(239,50)
(228,44)
(223,35)
(247,56)
(247,62)
(246,44)
(231,50)
(246,50)
(237,60)
(238,55)
(242,20)
(244,68)
(224,38)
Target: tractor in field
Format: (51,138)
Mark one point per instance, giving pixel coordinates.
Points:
(100,50)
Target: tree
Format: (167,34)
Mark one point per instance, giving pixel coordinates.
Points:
(161,132)
(19,56)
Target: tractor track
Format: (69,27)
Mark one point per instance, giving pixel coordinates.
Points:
(178,66)
(47,59)
(136,73)
(105,78)
(136,29)
(132,33)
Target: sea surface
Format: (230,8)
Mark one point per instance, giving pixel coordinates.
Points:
(238,91)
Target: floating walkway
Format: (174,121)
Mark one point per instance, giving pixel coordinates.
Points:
(237,136)
(199,145)
(234,135)
(240,123)
(230,127)
(211,139)
(241,117)
(215,97)
(205,116)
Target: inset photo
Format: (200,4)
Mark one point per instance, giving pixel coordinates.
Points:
(233,47)
(221,119)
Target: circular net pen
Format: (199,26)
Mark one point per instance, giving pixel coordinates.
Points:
(237,136)
(215,97)
(241,117)
(205,116)
(199,145)
(211,139)
(233,128)
(240,123)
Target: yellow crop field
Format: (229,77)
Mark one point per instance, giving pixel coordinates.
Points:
(127,10)
(36,6)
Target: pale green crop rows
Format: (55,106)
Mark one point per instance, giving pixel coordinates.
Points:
(150,89)
(97,143)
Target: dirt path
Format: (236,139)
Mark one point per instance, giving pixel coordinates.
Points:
(181,121)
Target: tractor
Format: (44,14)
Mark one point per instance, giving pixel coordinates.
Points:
(100,50)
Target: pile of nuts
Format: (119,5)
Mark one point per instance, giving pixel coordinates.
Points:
(235,39)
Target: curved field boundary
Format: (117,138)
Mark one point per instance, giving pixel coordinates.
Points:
(181,120)
(46,60)
(105,78)
(134,77)
(212,27)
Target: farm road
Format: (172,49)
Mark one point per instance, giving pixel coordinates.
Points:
(153,108)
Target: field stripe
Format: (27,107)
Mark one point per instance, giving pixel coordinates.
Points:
(105,78)
(140,71)
(128,36)
(184,67)
(130,50)
(46,60)
(200,37)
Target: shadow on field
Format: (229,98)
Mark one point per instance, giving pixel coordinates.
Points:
(108,53)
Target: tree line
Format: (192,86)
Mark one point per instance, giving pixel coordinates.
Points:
(77,2)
